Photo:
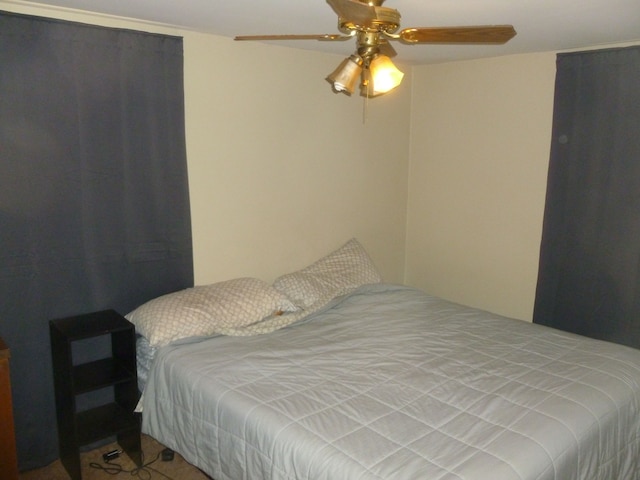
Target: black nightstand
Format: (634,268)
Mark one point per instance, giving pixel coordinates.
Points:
(72,379)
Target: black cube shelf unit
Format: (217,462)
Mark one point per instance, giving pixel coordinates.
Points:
(71,379)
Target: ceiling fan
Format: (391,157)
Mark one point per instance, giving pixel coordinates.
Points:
(373,27)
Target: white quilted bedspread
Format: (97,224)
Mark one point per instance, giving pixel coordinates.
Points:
(391,383)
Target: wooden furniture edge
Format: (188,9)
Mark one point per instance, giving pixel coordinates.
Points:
(4,350)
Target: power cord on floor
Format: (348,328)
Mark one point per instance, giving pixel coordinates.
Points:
(144,472)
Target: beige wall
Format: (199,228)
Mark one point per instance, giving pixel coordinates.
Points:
(282,170)
(477,180)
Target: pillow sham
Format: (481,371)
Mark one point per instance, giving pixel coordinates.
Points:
(338,273)
(208,309)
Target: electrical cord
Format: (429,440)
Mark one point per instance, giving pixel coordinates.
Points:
(144,472)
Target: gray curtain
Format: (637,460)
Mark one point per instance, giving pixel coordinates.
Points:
(589,275)
(94,206)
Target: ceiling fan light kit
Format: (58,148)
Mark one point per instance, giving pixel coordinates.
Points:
(373,26)
(377,76)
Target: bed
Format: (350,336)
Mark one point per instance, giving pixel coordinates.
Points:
(383,381)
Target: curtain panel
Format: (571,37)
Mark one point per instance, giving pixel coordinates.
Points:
(589,273)
(94,202)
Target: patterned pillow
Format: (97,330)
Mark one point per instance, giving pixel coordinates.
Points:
(337,274)
(206,310)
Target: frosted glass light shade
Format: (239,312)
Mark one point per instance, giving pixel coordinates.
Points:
(345,78)
(385,76)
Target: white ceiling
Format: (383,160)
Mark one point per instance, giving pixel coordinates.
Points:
(542,25)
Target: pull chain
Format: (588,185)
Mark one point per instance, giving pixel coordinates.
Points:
(365,103)
(365,106)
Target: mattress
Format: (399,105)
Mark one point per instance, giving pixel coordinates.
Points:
(392,383)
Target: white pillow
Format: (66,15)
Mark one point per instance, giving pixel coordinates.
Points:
(205,310)
(338,273)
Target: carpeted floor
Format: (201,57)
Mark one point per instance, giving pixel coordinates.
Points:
(177,469)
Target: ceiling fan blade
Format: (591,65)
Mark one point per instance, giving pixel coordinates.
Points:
(321,37)
(353,11)
(387,49)
(357,14)
(487,34)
